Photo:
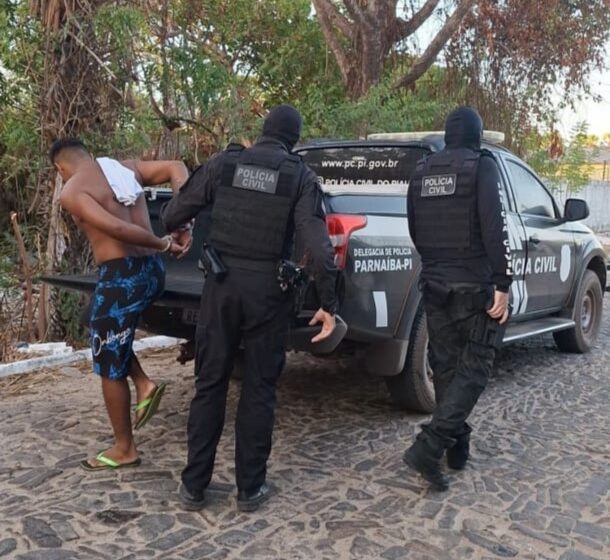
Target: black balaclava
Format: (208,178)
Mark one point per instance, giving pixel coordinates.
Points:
(463,129)
(283,123)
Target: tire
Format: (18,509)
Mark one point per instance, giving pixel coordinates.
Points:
(412,389)
(587,314)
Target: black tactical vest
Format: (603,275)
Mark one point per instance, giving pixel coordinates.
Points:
(444,197)
(255,200)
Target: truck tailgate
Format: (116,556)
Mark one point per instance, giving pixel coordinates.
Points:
(184,287)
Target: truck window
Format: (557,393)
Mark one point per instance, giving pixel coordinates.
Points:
(364,170)
(531,196)
(381,205)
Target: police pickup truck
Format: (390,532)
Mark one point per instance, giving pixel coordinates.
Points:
(559,265)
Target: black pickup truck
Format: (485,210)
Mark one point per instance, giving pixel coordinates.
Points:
(559,265)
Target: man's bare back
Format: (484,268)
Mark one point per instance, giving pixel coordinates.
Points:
(114,229)
(91,182)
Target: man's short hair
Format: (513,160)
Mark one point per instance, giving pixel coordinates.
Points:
(65,144)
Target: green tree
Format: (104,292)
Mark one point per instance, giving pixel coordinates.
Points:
(569,167)
(516,57)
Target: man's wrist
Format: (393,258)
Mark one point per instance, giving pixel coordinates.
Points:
(166,243)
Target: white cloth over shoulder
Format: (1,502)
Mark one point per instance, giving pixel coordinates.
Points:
(122,181)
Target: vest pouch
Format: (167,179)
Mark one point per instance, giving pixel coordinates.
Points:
(436,293)
(475,300)
(488,331)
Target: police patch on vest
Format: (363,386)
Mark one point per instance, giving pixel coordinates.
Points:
(255,178)
(438,185)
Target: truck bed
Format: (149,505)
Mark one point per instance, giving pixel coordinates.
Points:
(181,283)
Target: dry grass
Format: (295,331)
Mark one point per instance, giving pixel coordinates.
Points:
(20,384)
(11,322)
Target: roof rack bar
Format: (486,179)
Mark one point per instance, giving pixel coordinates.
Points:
(491,136)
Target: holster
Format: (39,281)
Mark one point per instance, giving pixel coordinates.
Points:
(435,293)
(478,300)
(211,263)
(488,331)
(290,276)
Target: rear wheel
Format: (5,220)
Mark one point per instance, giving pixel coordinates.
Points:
(412,388)
(587,315)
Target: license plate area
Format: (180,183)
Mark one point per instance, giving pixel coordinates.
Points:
(190,316)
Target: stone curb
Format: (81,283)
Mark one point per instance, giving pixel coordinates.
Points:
(32,364)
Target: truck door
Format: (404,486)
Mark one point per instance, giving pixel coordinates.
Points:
(547,255)
(516,237)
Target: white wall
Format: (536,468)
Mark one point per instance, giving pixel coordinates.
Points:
(597,195)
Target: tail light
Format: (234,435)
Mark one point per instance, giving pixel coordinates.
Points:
(340,227)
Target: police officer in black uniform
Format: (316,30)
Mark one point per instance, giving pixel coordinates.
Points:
(458,226)
(260,196)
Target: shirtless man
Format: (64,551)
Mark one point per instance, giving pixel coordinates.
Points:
(131,276)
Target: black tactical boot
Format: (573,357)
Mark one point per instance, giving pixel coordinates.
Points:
(191,501)
(247,501)
(457,456)
(426,461)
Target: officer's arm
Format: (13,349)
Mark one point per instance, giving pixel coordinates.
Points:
(193,196)
(410,214)
(493,223)
(310,222)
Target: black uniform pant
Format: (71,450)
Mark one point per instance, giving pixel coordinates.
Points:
(245,305)
(462,348)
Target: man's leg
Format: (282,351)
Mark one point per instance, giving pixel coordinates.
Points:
(458,455)
(152,281)
(445,342)
(444,348)
(118,400)
(217,340)
(145,387)
(470,379)
(444,351)
(267,311)
(265,356)
(115,310)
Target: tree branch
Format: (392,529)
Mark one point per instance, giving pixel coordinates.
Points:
(407,28)
(355,11)
(337,18)
(323,10)
(173,122)
(429,56)
(27,274)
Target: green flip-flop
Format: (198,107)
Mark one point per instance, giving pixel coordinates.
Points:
(149,405)
(107,464)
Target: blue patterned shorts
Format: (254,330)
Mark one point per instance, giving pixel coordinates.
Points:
(125,288)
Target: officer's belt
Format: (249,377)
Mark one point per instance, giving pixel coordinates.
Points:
(250,264)
(470,296)
(476,300)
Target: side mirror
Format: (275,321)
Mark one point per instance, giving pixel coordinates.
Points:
(575,209)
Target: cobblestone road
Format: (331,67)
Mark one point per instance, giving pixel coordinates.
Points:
(538,486)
